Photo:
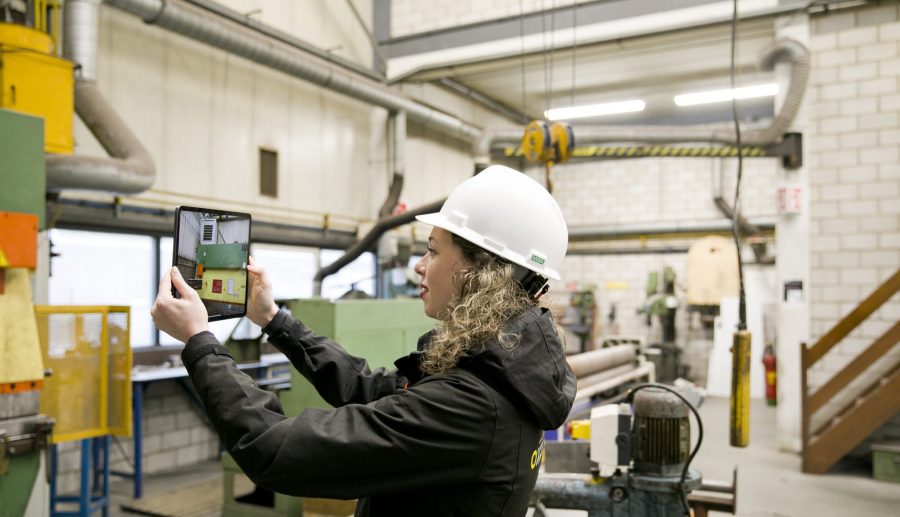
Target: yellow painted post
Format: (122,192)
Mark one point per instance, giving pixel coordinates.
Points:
(740,389)
(104,371)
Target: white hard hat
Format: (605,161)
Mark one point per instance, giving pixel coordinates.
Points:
(510,215)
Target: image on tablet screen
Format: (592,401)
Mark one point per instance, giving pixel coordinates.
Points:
(212,255)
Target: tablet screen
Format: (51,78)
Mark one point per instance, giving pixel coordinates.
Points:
(211,251)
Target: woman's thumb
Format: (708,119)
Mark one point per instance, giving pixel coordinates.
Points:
(185,290)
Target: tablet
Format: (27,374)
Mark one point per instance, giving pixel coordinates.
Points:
(211,250)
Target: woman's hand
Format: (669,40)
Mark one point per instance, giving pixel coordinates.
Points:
(181,318)
(261,306)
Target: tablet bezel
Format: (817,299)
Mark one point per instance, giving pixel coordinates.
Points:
(216,211)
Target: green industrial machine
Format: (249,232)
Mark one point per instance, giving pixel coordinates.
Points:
(23,184)
(663,304)
(380,331)
(222,256)
(24,433)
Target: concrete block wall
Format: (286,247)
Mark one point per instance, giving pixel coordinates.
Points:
(417,16)
(175,433)
(620,282)
(854,145)
(650,191)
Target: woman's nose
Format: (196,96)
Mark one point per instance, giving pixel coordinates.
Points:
(420,267)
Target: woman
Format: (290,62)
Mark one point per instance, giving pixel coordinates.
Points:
(456,428)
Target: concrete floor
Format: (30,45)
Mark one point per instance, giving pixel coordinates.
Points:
(770,483)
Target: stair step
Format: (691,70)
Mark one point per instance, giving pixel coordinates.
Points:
(842,415)
(825,445)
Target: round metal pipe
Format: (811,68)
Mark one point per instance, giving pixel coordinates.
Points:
(572,491)
(369,240)
(201,25)
(587,233)
(128,170)
(593,379)
(644,370)
(399,122)
(261,27)
(656,250)
(91,215)
(80,37)
(599,360)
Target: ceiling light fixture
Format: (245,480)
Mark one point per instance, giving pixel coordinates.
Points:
(595,110)
(711,96)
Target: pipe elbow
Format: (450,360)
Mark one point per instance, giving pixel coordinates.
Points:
(783,50)
(482,147)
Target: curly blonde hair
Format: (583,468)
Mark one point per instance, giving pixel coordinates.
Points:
(488,297)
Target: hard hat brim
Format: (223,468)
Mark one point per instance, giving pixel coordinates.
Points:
(439,220)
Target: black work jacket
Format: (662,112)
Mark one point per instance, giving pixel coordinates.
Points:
(465,442)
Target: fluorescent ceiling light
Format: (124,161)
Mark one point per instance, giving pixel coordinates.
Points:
(595,110)
(711,96)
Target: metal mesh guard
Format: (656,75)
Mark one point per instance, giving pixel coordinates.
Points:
(88,352)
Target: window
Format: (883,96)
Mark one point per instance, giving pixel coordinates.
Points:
(268,172)
(291,269)
(99,268)
(358,275)
(95,268)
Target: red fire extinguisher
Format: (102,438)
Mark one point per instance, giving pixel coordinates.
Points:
(769,363)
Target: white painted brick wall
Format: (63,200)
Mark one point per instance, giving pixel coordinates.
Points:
(651,191)
(856,221)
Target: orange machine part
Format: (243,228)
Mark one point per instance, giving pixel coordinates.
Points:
(21,387)
(18,240)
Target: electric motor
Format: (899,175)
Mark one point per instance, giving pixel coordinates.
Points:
(661,433)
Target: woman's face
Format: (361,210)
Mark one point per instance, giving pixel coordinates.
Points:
(438,269)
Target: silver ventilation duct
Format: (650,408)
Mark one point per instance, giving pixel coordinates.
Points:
(222,33)
(130,168)
(80,36)
(399,165)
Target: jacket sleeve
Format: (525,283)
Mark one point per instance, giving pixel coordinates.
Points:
(339,377)
(433,434)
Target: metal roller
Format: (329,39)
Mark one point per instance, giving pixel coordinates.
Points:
(590,380)
(592,362)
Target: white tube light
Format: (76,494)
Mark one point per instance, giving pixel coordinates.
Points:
(595,110)
(711,96)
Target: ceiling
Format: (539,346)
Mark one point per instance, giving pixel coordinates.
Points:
(652,67)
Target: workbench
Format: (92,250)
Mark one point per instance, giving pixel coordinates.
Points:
(140,380)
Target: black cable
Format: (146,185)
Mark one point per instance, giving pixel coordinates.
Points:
(574,46)
(690,406)
(552,50)
(544,61)
(522,53)
(742,299)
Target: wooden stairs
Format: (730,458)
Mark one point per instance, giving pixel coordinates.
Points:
(877,403)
